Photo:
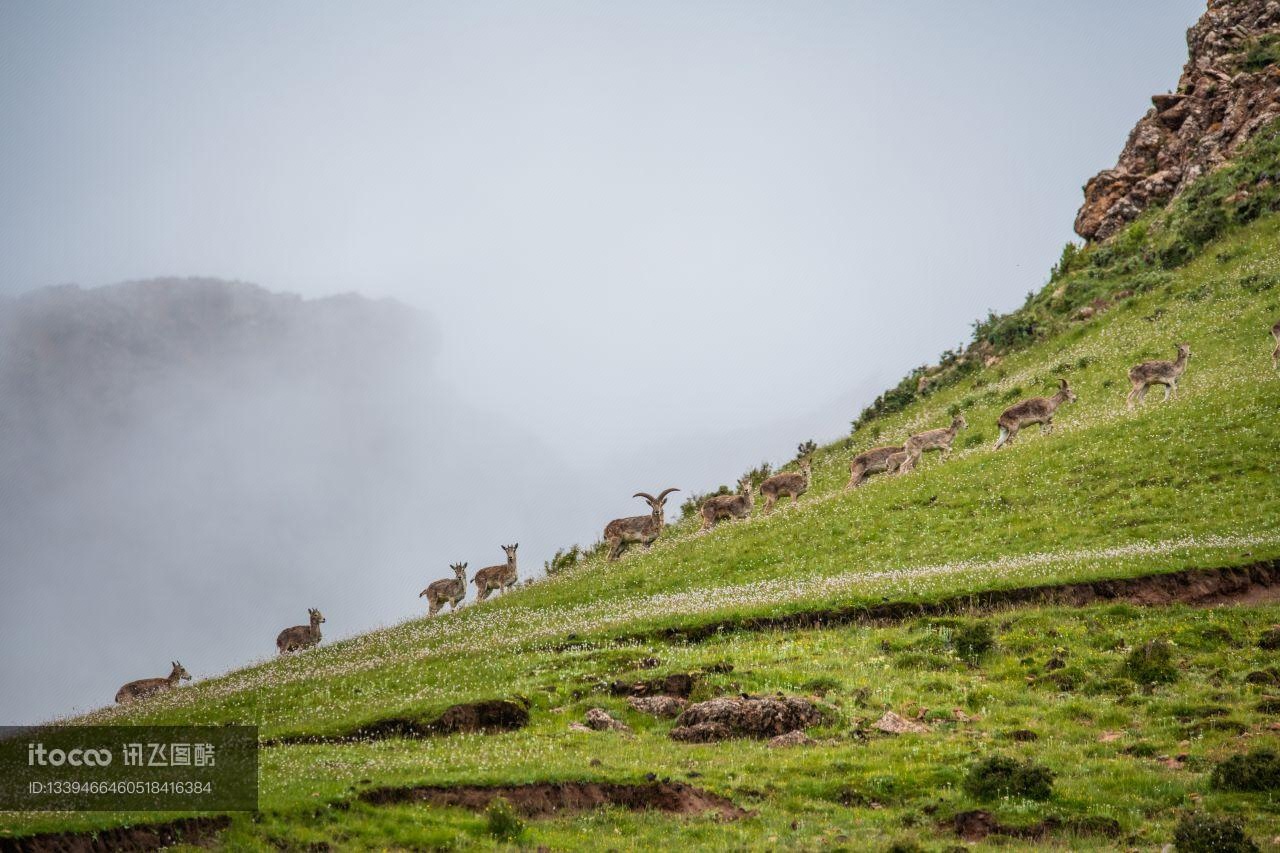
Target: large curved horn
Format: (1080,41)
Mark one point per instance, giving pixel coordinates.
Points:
(650,498)
(665,492)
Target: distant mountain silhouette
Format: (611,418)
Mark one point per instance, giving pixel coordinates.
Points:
(186,465)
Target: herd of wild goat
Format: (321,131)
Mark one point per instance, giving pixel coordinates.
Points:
(644,529)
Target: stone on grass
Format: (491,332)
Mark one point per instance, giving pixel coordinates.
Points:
(667,707)
(893,724)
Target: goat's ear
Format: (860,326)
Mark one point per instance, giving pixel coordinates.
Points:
(1062,383)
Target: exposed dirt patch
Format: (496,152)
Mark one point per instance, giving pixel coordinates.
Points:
(677,684)
(198,831)
(978,824)
(725,717)
(1249,584)
(552,799)
(489,716)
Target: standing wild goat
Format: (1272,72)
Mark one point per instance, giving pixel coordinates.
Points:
(637,528)
(1150,373)
(874,461)
(792,484)
(1037,410)
(934,439)
(728,506)
(301,636)
(448,591)
(1275,353)
(144,687)
(500,577)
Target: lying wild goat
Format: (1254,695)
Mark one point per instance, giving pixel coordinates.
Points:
(875,461)
(1037,410)
(792,484)
(1275,353)
(500,577)
(301,636)
(935,439)
(144,687)
(1150,373)
(728,506)
(448,591)
(642,529)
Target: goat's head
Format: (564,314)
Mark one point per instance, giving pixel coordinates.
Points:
(656,504)
(459,569)
(1065,390)
(510,550)
(316,617)
(1184,350)
(744,485)
(179,671)
(958,422)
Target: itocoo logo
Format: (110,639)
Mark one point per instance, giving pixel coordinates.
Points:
(38,755)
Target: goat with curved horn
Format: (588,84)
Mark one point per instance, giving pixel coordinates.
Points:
(642,529)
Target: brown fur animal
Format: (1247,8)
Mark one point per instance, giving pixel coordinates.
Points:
(448,591)
(901,462)
(641,529)
(935,439)
(1037,410)
(791,484)
(301,636)
(500,577)
(1166,373)
(1275,353)
(870,462)
(144,687)
(720,507)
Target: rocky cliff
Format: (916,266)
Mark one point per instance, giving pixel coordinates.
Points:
(1229,89)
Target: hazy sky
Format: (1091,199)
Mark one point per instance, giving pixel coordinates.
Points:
(668,240)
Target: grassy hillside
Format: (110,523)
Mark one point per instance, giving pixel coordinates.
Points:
(1194,482)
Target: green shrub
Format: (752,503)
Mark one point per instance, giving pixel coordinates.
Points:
(999,776)
(1199,833)
(905,845)
(502,822)
(563,559)
(1151,663)
(1066,262)
(1259,770)
(822,685)
(973,641)
(1261,52)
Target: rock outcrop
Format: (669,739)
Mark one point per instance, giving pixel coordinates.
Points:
(1229,89)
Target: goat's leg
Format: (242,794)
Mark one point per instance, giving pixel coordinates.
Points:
(1132,398)
(1046,426)
(1142,393)
(768,504)
(1275,356)
(1002,439)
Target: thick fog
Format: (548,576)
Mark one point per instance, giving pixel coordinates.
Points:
(598,248)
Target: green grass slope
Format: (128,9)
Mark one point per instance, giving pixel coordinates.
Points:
(1109,494)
